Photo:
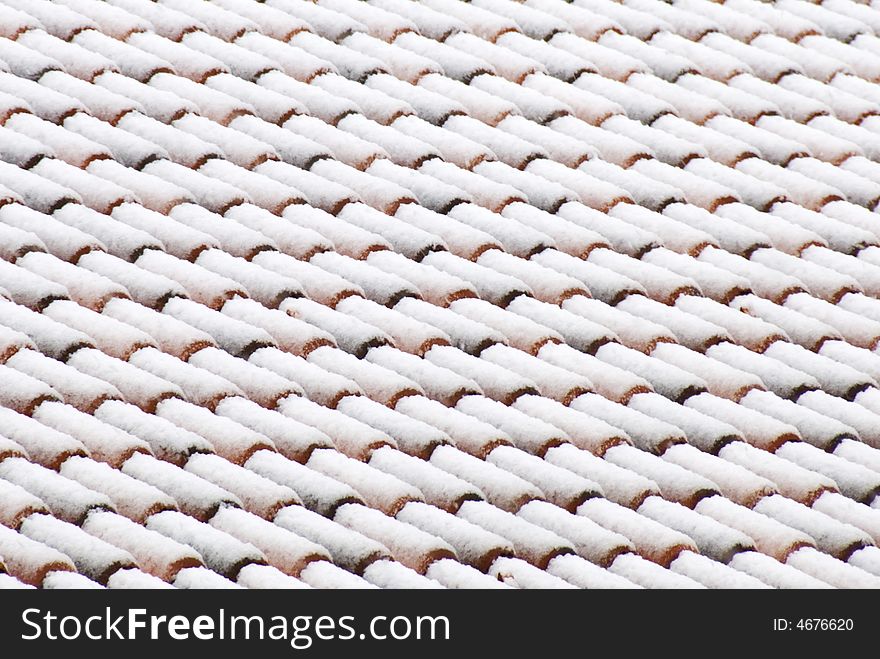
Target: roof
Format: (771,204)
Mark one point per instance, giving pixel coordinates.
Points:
(416,294)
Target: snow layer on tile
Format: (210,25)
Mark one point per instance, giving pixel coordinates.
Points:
(535,277)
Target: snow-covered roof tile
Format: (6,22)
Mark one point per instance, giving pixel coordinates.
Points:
(481,239)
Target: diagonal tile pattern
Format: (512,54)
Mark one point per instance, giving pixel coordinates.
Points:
(397,294)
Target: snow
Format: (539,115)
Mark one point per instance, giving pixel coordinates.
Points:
(721,379)
(531,543)
(381,287)
(408,240)
(792,480)
(115,338)
(378,383)
(734,273)
(291,438)
(859,452)
(44,445)
(651,539)
(585,432)
(650,575)
(28,560)
(516,573)
(154,195)
(850,512)
(589,540)
(671,381)
(774,573)
(264,286)
(166,441)
(819,430)
(785,236)
(495,287)
(543,283)
(25,96)
(199,386)
(410,546)
(479,104)
(583,574)
(130,497)
(50,337)
(661,285)
(552,381)
(831,536)
(554,324)
(676,483)
(88,289)
(782,380)
(611,382)
(760,430)
(467,335)
(862,271)
(561,487)
(438,487)
(713,574)
(221,552)
(135,579)
(379,490)
(715,540)
(771,536)
(171,335)
(332,97)
(569,237)
(403,64)
(835,378)
(647,433)
(23,393)
(202,578)
(747,331)
(103,441)
(349,549)
(17,502)
(93,558)
(455,148)
(866,559)
(437,287)
(674,235)
(841,236)
(831,570)
(347,239)
(529,434)
(195,496)
(317,491)
(440,384)
(520,332)
(452,574)
(267,577)
(858,331)
(325,575)
(231,440)
(390,574)
(411,436)
(30,289)
(317,383)
(284,550)
(465,432)
(404,150)
(503,489)
(351,437)
(352,64)
(131,60)
(701,430)
(136,385)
